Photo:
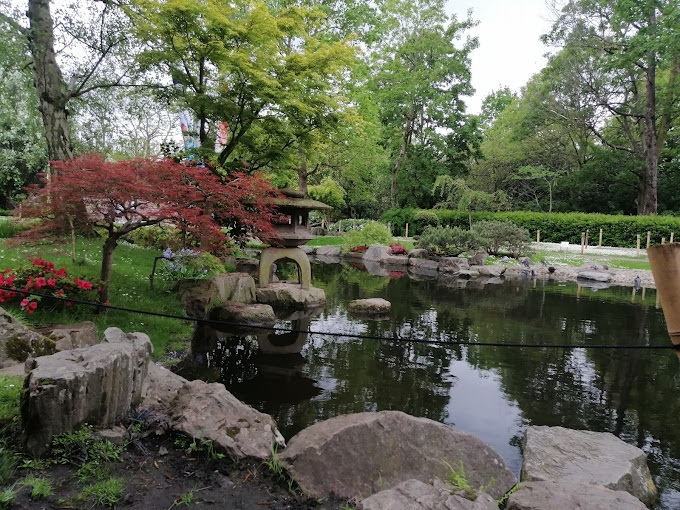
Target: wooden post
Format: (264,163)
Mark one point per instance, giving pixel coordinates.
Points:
(663,240)
(637,248)
(671,238)
(587,236)
(538,236)
(583,241)
(600,243)
(406,233)
(649,239)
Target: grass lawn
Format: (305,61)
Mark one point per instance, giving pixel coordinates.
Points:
(129,288)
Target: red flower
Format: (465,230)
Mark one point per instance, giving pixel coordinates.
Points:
(32,307)
(24,302)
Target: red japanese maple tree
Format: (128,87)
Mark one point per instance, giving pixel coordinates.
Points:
(123,196)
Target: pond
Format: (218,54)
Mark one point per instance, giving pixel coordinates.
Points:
(493,392)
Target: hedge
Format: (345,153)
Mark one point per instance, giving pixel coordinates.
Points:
(617,230)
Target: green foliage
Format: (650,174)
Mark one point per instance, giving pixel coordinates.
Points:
(158,237)
(456,194)
(9,227)
(398,218)
(40,487)
(10,393)
(7,498)
(8,464)
(504,237)
(82,446)
(371,233)
(329,192)
(326,241)
(503,501)
(106,493)
(274,465)
(450,241)
(618,230)
(427,218)
(459,482)
(187,264)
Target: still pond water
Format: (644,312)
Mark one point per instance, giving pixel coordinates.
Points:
(492,392)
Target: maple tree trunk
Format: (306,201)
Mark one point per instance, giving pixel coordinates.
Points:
(49,82)
(303,176)
(647,202)
(107,265)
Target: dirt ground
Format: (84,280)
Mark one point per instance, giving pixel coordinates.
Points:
(157,475)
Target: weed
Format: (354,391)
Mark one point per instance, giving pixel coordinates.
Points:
(106,493)
(81,446)
(8,464)
(40,487)
(274,464)
(459,482)
(10,392)
(7,497)
(91,471)
(187,498)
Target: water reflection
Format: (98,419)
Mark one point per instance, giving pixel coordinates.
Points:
(493,392)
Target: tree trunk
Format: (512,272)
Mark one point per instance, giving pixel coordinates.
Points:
(303,176)
(406,136)
(647,203)
(49,82)
(107,265)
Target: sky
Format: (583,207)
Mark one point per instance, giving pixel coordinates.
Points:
(509,51)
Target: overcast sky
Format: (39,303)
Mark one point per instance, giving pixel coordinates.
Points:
(510,51)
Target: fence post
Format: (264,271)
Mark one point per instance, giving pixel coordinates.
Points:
(587,236)
(538,236)
(583,241)
(406,233)
(637,248)
(600,243)
(649,239)
(671,238)
(663,240)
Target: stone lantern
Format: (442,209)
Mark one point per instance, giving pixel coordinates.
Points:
(294,232)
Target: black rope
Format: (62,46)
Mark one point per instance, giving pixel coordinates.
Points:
(394,338)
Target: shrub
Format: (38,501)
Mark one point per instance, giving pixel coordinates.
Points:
(397,249)
(158,237)
(42,277)
(427,219)
(504,236)
(185,264)
(450,241)
(371,233)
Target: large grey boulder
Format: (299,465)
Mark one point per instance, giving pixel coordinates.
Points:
(197,296)
(377,252)
(17,342)
(581,456)
(96,385)
(357,455)
(418,253)
(208,411)
(239,313)
(598,276)
(478,259)
(370,306)
(453,264)
(73,336)
(416,495)
(286,295)
(570,496)
(328,251)
(492,271)
(419,265)
(235,287)
(395,260)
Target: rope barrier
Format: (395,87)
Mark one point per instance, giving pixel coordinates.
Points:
(393,338)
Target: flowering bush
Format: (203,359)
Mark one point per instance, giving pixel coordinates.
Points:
(42,277)
(360,249)
(186,263)
(397,249)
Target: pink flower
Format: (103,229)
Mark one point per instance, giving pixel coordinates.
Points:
(40,282)
(32,306)
(51,282)
(82,284)
(24,302)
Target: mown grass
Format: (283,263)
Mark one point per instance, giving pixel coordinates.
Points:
(339,241)
(576,259)
(129,288)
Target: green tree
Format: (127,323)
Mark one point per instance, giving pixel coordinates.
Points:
(260,70)
(626,56)
(422,71)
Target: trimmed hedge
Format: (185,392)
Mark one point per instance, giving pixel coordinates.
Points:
(617,230)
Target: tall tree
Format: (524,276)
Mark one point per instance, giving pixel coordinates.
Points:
(627,57)
(262,71)
(95,52)
(422,72)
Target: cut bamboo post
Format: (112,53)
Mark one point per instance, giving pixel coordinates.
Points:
(538,236)
(600,242)
(637,247)
(649,239)
(671,238)
(406,229)
(664,261)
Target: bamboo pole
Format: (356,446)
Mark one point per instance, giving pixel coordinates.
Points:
(600,243)
(406,234)
(538,236)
